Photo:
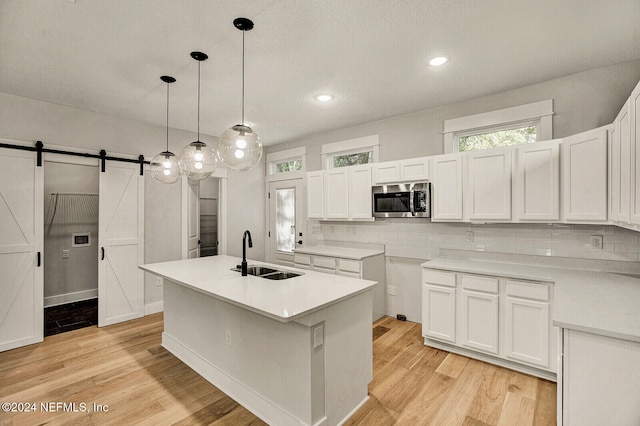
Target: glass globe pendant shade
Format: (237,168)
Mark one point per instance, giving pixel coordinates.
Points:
(239,148)
(165,167)
(198,160)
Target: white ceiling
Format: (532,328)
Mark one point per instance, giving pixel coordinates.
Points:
(107,56)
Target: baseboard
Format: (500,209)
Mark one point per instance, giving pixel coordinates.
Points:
(61,299)
(153,308)
(252,401)
(356,408)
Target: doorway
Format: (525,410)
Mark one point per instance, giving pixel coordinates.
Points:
(71,204)
(287,220)
(209,194)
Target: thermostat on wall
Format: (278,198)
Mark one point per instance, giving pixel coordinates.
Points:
(81,239)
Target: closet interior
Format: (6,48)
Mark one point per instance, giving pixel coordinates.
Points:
(209,191)
(70,246)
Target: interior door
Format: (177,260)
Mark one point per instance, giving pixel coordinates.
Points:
(21,247)
(287,220)
(121,238)
(191,211)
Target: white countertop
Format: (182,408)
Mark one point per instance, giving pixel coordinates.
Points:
(341,252)
(283,300)
(602,303)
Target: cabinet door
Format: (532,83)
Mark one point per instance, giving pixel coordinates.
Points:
(360,192)
(479,326)
(537,181)
(387,172)
(414,169)
(315,195)
(634,104)
(337,193)
(488,184)
(527,331)
(447,188)
(620,166)
(584,176)
(439,312)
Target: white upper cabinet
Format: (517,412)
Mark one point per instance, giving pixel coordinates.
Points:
(584,176)
(342,193)
(409,170)
(634,115)
(360,192)
(447,188)
(315,195)
(488,185)
(620,166)
(387,172)
(337,193)
(536,182)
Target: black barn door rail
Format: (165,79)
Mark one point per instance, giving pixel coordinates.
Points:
(103,157)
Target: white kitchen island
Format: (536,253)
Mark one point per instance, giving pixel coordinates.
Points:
(294,352)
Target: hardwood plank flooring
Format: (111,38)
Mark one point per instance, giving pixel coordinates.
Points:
(125,368)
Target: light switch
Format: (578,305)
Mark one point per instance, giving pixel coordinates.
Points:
(318,336)
(65,254)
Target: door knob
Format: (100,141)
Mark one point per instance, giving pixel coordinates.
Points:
(300,242)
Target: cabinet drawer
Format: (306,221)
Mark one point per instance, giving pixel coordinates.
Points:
(484,284)
(324,262)
(439,277)
(349,265)
(302,259)
(528,290)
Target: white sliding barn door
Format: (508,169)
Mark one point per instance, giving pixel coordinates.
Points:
(21,247)
(190,212)
(121,248)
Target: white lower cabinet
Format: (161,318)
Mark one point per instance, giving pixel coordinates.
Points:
(598,383)
(370,268)
(499,320)
(479,327)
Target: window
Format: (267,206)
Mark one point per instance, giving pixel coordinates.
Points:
(350,152)
(510,126)
(498,138)
(289,166)
(286,164)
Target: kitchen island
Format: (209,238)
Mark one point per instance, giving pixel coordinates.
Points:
(296,351)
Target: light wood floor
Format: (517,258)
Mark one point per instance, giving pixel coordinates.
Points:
(124,367)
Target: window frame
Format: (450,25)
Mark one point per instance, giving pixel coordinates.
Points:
(539,114)
(348,147)
(274,158)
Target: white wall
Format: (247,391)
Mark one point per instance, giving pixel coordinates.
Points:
(74,278)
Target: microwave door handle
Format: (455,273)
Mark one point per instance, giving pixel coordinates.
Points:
(411,206)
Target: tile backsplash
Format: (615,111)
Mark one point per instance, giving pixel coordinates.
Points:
(421,239)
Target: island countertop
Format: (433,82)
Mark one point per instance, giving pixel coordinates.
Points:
(282,300)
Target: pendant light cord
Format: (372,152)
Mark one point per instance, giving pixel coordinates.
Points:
(198,101)
(243,77)
(167,117)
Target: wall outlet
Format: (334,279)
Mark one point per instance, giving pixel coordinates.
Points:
(65,254)
(158,281)
(469,236)
(596,242)
(351,230)
(227,337)
(391,290)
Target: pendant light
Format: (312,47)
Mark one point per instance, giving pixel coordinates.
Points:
(165,167)
(239,147)
(197,159)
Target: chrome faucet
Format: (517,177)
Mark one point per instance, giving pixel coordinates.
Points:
(244,251)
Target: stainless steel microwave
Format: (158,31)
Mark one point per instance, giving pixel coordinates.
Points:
(402,200)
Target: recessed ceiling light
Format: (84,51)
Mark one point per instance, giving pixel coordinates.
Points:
(323,98)
(438,60)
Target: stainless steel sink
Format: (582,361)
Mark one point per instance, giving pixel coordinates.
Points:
(280,275)
(268,273)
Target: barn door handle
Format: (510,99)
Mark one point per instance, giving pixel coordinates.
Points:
(38,259)
(102,257)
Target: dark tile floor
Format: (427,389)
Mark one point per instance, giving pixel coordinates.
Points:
(72,316)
